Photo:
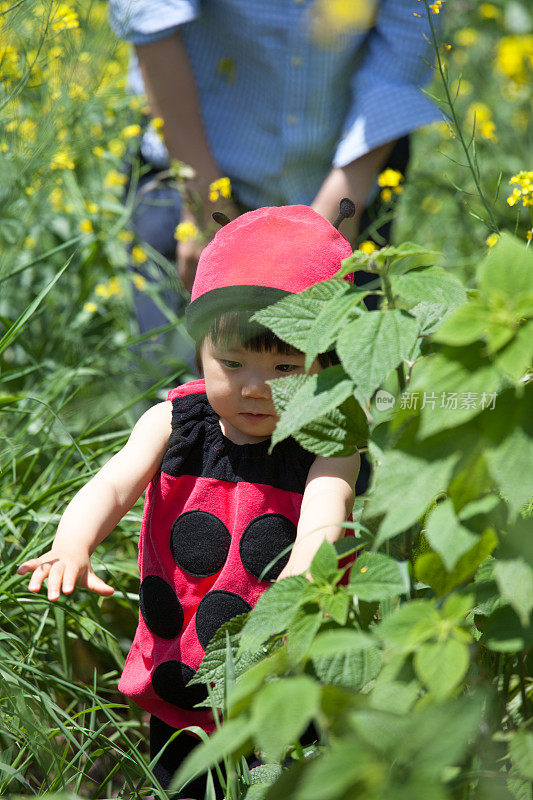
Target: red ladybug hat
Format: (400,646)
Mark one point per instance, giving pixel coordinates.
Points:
(262,256)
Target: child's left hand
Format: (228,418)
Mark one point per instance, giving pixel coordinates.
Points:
(289,571)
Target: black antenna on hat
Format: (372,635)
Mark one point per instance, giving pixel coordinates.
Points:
(346,210)
(220,218)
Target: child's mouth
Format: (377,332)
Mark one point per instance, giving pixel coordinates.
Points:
(254,417)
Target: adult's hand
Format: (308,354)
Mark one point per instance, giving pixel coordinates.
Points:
(188,252)
(354,181)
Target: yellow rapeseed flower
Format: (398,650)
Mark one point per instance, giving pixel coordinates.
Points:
(436,7)
(125,236)
(114,179)
(130,131)
(220,187)
(390,177)
(529,234)
(368,247)
(386,195)
(489,11)
(64,18)
(98,151)
(101,290)
(114,287)
(185,231)
(139,281)
(90,308)
(139,255)
(514,197)
(514,56)
(466,37)
(62,160)
(92,208)
(492,239)
(56,198)
(86,226)
(524,180)
(117,147)
(158,123)
(27,130)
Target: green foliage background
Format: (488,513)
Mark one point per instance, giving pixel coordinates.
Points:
(418,673)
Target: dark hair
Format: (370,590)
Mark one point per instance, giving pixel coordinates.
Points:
(235,327)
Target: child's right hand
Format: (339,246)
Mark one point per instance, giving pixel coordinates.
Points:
(63,567)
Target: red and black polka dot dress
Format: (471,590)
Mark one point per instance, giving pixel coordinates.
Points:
(214,517)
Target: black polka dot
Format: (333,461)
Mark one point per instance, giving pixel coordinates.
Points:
(170,679)
(199,543)
(214,610)
(160,607)
(264,538)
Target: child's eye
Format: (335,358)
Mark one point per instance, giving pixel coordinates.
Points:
(286,367)
(231,364)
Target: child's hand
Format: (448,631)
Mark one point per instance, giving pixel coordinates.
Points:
(63,567)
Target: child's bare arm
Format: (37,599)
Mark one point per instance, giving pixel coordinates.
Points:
(98,507)
(327,501)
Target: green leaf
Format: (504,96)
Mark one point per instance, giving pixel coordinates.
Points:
(212,665)
(374,344)
(274,610)
(509,445)
(331,776)
(400,259)
(430,569)
(234,737)
(515,582)
(405,487)
(247,684)
(331,320)
(464,325)
(502,631)
(350,670)
(337,606)
(282,711)
(452,387)
(302,630)
(324,564)
(447,536)
(319,394)
(441,666)
(432,284)
(292,317)
(340,642)
(521,751)
(409,625)
(376,577)
(429,316)
(338,433)
(515,359)
(508,266)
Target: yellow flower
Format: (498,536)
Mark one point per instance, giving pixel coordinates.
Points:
(27,130)
(130,131)
(435,7)
(334,17)
(489,11)
(98,151)
(466,37)
(220,187)
(92,208)
(4,147)
(492,239)
(158,123)
(30,242)
(529,234)
(62,160)
(117,147)
(114,178)
(139,281)
(125,236)
(90,308)
(514,56)
(139,255)
(56,197)
(86,226)
(64,19)
(390,177)
(114,287)
(30,190)
(185,231)
(101,290)
(96,129)
(77,92)
(487,130)
(514,197)
(386,195)
(368,247)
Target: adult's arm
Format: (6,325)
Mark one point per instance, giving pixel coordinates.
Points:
(387,102)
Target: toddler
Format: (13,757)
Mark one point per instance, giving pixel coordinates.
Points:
(219,508)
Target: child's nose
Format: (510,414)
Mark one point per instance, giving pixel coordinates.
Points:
(256,386)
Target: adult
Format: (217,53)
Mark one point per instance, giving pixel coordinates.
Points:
(273,94)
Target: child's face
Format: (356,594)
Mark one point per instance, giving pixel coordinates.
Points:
(237,389)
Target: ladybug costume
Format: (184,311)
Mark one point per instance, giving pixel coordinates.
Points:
(217,515)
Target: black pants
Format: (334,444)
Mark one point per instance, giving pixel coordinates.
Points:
(180,748)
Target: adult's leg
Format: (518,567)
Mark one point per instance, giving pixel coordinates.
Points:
(398,160)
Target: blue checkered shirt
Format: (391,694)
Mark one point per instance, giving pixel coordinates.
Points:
(280,107)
